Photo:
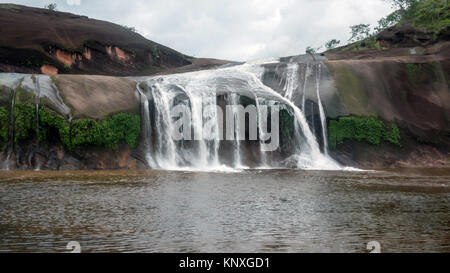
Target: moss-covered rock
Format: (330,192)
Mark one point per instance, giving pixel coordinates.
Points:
(4,124)
(349,87)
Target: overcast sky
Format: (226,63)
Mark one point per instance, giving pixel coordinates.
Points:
(232,29)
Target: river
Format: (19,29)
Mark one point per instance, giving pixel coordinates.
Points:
(246,211)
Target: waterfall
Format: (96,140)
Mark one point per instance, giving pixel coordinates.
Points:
(262,117)
(165,152)
(291,80)
(146,126)
(233,100)
(323,118)
(305,81)
(200,146)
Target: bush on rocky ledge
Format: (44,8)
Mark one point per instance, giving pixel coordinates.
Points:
(84,132)
(369,129)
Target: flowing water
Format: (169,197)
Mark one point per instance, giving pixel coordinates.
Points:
(201,91)
(248,211)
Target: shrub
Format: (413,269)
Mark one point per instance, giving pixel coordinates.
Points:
(120,127)
(4,124)
(50,120)
(89,132)
(369,129)
(24,121)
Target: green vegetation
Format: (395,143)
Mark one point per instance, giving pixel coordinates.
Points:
(52,124)
(51,6)
(312,51)
(107,133)
(369,129)
(431,15)
(9,6)
(4,124)
(156,52)
(24,121)
(350,88)
(132,29)
(84,132)
(332,44)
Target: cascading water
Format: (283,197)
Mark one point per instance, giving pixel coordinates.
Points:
(146,126)
(199,92)
(233,101)
(323,118)
(291,80)
(305,82)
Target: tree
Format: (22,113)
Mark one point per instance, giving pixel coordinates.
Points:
(388,21)
(51,6)
(332,44)
(312,51)
(133,29)
(359,32)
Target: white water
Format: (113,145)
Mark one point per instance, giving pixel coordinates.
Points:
(305,81)
(200,89)
(233,100)
(323,118)
(146,126)
(291,80)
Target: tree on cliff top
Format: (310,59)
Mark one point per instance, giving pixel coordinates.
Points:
(332,44)
(51,6)
(359,32)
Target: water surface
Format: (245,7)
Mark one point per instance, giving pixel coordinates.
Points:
(250,211)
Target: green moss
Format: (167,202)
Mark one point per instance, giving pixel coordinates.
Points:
(10,7)
(369,129)
(24,121)
(350,89)
(23,96)
(4,124)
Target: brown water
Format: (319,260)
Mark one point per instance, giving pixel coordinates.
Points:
(252,211)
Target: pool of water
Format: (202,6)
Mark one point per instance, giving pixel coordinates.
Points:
(249,211)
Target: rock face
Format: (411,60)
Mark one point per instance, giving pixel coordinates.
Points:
(404,85)
(47,116)
(36,40)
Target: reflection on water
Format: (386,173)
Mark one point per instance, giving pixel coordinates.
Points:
(252,211)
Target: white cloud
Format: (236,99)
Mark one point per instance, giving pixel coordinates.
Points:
(73,2)
(233,29)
